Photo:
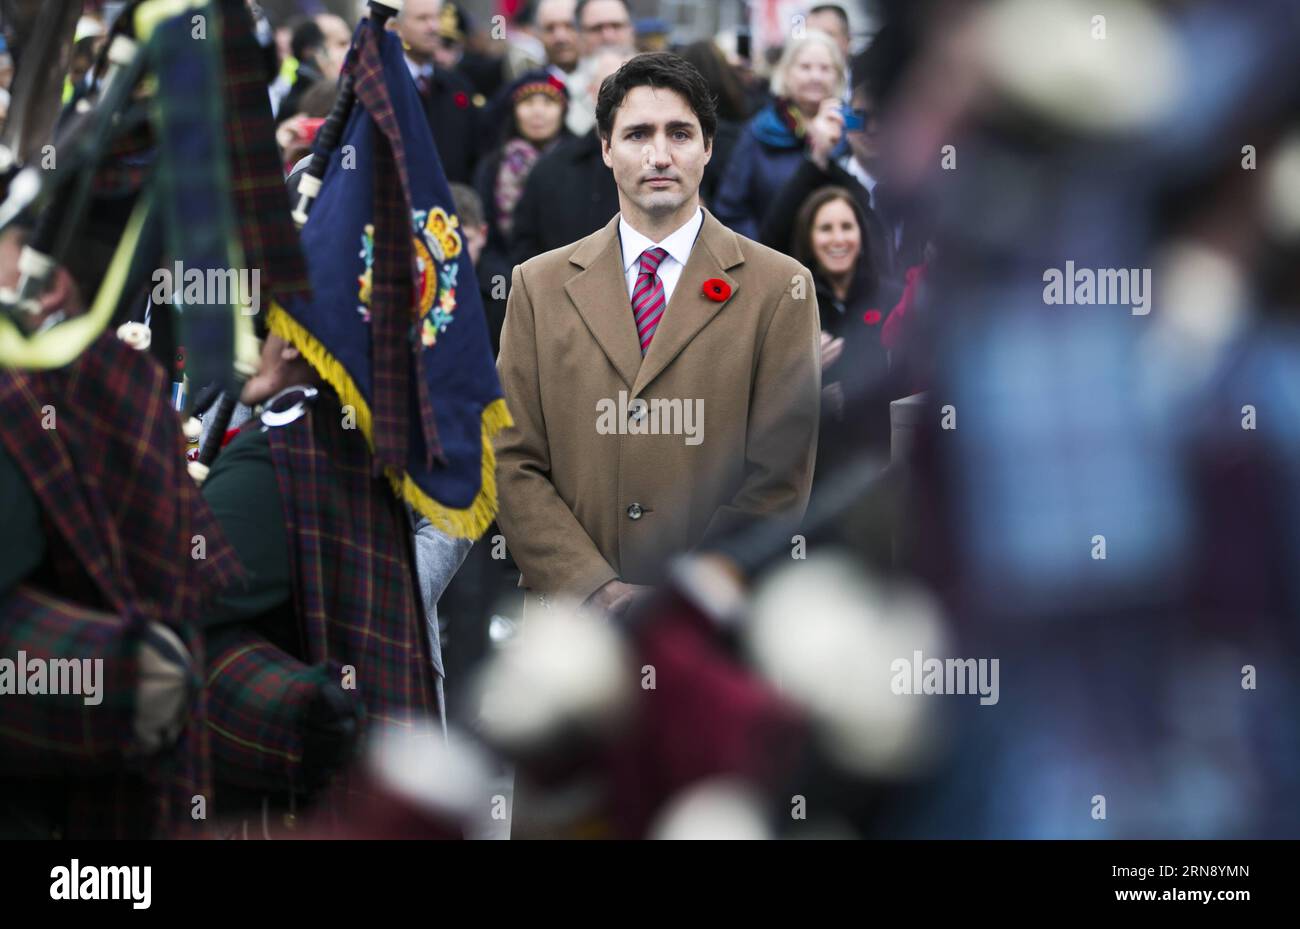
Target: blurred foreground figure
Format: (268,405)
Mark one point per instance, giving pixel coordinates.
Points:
(111,553)
(100,580)
(1090,482)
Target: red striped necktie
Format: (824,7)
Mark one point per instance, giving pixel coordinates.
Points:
(648,296)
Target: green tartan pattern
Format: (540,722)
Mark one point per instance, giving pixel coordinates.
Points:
(58,731)
(192,182)
(265,712)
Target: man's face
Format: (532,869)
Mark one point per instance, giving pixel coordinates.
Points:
(865,143)
(833,26)
(280,366)
(604,24)
(337,41)
(418,27)
(657,151)
(558,32)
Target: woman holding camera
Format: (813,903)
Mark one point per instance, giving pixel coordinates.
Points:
(809,80)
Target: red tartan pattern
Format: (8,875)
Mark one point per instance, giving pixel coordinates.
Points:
(123,518)
(352,564)
(261,200)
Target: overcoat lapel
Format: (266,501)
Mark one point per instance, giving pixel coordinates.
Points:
(600,294)
(690,310)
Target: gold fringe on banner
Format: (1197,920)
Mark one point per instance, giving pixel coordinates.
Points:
(469,523)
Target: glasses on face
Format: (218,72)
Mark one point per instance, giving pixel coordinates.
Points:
(597,28)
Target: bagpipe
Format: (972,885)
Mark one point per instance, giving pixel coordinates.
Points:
(212,194)
(326,144)
(133,131)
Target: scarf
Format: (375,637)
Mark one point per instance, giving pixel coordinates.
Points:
(517,159)
(791,117)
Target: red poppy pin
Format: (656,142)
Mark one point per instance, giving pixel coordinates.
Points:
(871,317)
(717,289)
(462,100)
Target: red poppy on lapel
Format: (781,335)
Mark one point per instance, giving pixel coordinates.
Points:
(717,289)
(461,100)
(871,317)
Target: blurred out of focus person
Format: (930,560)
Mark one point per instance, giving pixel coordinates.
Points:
(809,81)
(474,230)
(830,240)
(831,19)
(459,49)
(319,45)
(297,134)
(854,170)
(652,34)
(602,24)
(709,60)
(557,27)
(570,193)
(447,97)
(534,123)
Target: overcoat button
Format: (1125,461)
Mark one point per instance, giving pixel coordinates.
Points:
(634,511)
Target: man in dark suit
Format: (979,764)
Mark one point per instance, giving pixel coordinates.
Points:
(448,97)
(569,195)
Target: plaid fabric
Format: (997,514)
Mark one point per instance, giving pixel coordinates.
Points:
(193,183)
(262,205)
(262,704)
(126,165)
(392,296)
(58,731)
(437,317)
(355,587)
(125,523)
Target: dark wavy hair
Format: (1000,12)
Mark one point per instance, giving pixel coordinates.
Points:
(865,275)
(719,74)
(657,69)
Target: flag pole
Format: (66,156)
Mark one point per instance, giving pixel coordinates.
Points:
(331,131)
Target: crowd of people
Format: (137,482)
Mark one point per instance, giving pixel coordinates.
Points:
(794,165)
(518,128)
(731,309)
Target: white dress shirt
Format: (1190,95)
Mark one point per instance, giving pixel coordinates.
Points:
(419,70)
(861,174)
(678,245)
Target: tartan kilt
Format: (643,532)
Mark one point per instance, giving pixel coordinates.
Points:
(276,724)
(59,734)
